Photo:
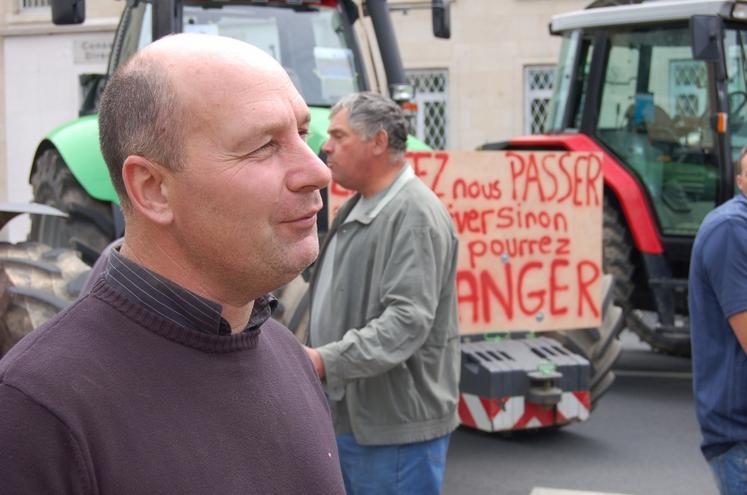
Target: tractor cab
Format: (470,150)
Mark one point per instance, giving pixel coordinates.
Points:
(313,43)
(659,89)
(672,118)
(322,44)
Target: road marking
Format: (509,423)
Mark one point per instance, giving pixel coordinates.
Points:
(553,491)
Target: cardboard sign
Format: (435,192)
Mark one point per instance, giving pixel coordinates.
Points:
(530,235)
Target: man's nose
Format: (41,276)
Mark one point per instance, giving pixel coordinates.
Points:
(310,174)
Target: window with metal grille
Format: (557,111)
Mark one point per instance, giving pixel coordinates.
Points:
(538,84)
(32,4)
(688,80)
(431,123)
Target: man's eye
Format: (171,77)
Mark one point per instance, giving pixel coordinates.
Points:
(304,133)
(268,146)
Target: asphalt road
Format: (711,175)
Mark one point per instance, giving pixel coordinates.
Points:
(642,439)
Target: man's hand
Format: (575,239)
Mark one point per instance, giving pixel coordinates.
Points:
(316,360)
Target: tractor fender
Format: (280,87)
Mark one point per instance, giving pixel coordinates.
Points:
(78,144)
(8,211)
(318,128)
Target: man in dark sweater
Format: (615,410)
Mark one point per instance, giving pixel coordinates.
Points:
(169,376)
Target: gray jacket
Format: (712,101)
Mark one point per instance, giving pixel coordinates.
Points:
(389,336)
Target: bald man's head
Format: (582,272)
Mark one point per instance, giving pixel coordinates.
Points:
(145,111)
(139,115)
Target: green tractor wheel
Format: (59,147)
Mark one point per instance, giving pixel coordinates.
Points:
(89,227)
(36,282)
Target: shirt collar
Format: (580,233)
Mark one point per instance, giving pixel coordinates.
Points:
(378,201)
(175,303)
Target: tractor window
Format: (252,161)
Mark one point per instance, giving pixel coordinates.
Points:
(654,115)
(127,39)
(570,91)
(735,45)
(563,75)
(309,42)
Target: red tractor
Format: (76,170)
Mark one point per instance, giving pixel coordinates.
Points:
(659,88)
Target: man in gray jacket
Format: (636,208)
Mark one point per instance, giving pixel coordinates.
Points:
(383,325)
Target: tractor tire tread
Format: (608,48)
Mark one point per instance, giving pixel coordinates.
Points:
(89,226)
(618,246)
(36,282)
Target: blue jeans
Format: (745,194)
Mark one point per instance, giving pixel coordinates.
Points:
(730,470)
(407,469)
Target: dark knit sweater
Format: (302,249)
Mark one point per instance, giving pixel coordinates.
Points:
(109,398)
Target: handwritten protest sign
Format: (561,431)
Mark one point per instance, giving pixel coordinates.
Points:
(530,235)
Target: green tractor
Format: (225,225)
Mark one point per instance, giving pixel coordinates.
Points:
(322,44)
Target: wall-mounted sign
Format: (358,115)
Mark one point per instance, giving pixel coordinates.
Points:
(91,51)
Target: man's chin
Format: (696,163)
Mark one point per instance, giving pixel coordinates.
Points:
(303,259)
(308,250)
(290,276)
(308,261)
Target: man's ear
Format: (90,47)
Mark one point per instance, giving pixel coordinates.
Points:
(145,182)
(380,142)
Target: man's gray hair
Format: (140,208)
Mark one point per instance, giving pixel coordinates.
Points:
(140,115)
(369,113)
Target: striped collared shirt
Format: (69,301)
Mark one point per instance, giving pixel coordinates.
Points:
(175,303)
